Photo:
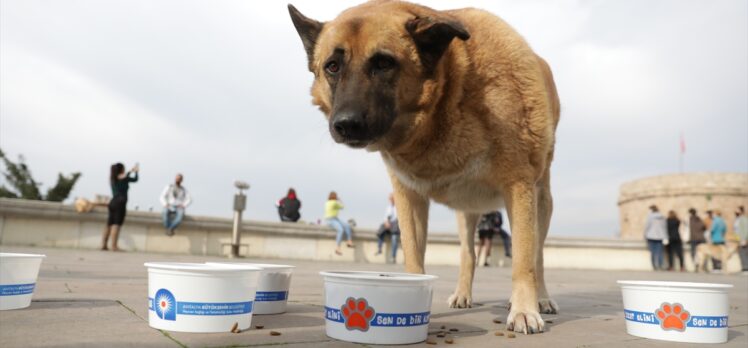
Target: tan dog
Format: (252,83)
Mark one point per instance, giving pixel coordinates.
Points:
(706,251)
(462,111)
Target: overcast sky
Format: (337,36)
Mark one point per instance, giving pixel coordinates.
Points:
(219,90)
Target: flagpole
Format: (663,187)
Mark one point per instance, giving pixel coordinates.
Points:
(680,162)
(682,152)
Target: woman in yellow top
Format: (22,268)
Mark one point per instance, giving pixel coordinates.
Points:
(332,207)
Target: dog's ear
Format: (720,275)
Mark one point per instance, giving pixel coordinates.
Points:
(308,30)
(433,35)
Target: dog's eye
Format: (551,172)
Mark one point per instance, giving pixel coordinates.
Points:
(381,63)
(332,67)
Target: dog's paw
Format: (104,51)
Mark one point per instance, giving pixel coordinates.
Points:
(459,300)
(547,306)
(527,322)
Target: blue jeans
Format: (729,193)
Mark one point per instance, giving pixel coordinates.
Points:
(172,223)
(341,227)
(394,232)
(395,243)
(506,239)
(655,248)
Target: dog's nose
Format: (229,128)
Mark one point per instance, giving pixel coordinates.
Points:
(350,125)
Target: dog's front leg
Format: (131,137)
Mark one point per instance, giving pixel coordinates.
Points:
(412,217)
(521,201)
(463,295)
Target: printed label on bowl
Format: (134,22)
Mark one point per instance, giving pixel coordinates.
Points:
(270,296)
(167,307)
(674,317)
(357,314)
(17,289)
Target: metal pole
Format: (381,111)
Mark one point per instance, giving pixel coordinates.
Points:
(240,202)
(236,235)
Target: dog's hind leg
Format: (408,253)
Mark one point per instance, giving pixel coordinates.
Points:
(412,216)
(463,295)
(545,210)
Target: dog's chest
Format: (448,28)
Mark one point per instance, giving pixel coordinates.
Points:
(462,190)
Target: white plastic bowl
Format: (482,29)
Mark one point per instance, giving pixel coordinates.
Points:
(676,311)
(377,307)
(272,289)
(195,297)
(18,274)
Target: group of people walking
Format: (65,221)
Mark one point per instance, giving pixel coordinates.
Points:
(664,238)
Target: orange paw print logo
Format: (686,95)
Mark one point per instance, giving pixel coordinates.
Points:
(672,316)
(357,314)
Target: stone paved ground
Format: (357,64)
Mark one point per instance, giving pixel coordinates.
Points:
(92,298)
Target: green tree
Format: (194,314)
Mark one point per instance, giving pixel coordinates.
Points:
(22,183)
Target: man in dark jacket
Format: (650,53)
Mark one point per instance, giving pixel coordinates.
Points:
(696,228)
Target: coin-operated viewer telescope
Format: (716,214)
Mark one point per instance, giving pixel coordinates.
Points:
(240,203)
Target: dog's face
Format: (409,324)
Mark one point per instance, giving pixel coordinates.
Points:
(372,66)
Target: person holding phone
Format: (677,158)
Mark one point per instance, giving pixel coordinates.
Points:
(119,181)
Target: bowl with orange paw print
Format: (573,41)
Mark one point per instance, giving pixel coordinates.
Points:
(377,307)
(676,311)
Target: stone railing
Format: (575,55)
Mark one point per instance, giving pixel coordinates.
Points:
(46,224)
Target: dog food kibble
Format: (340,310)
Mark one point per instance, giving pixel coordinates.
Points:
(449,341)
(234,327)
(454,329)
(432,342)
(258,327)
(498,333)
(275,333)
(511,335)
(497,321)
(441,334)
(443,327)
(549,321)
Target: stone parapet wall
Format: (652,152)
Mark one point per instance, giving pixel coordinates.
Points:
(45,224)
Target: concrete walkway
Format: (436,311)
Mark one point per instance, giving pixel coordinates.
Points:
(92,298)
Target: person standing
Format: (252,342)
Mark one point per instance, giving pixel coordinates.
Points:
(332,207)
(488,226)
(675,245)
(655,232)
(741,229)
(175,199)
(486,229)
(119,181)
(289,206)
(696,230)
(391,227)
(717,236)
(708,220)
